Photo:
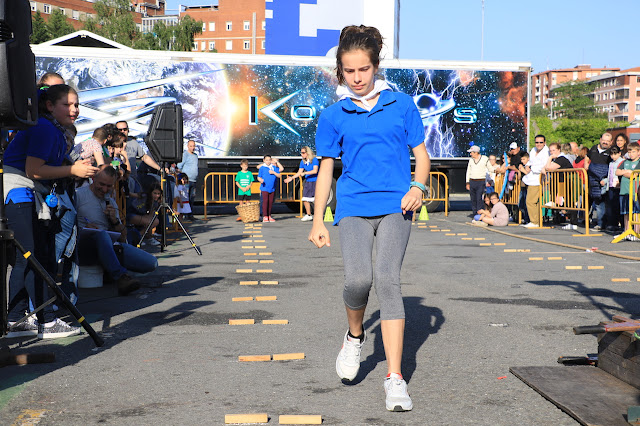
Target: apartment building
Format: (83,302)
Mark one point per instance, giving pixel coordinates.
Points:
(618,94)
(233,26)
(543,82)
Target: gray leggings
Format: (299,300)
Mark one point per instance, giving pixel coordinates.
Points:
(391,234)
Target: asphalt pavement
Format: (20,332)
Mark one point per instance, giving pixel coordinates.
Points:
(477,302)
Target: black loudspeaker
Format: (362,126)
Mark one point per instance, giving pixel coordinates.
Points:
(164,137)
(18,94)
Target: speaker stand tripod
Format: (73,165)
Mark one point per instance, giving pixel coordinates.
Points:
(162,209)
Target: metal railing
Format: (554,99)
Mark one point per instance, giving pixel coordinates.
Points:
(511,195)
(566,190)
(438,190)
(633,227)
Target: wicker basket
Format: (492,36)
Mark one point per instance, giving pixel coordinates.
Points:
(249,212)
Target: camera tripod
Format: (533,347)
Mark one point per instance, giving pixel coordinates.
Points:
(7,246)
(163,207)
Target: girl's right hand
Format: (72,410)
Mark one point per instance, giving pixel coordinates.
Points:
(319,235)
(83,169)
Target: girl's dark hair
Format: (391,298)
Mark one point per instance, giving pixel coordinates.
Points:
(111,130)
(626,142)
(358,37)
(149,201)
(52,94)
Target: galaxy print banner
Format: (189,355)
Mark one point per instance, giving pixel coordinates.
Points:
(252,110)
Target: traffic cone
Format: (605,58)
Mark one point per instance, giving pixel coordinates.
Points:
(328,216)
(424,214)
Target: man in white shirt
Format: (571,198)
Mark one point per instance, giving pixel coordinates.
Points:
(531,177)
(476,178)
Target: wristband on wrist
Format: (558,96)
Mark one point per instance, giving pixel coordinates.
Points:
(418,185)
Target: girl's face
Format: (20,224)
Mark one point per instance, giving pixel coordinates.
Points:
(65,110)
(111,150)
(494,200)
(184,180)
(486,199)
(156,194)
(117,150)
(358,71)
(620,142)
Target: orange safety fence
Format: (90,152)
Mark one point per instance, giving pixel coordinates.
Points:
(566,190)
(220,188)
(633,227)
(511,196)
(438,190)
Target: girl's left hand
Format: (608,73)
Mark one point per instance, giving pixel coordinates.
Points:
(412,200)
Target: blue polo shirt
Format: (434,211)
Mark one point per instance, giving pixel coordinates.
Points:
(309,167)
(374,148)
(269,184)
(42,141)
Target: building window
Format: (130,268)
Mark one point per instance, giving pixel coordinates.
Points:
(637,106)
(204,27)
(262,44)
(228,25)
(228,44)
(264,27)
(246,25)
(204,46)
(46,8)
(212,26)
(61,10)
(212,45)
(246,44)
(34,6)
(195,45)
(75,14)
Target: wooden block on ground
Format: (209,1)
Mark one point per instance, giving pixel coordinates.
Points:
(286,357)
(251,254)
(509,250)
(573,267)
(620,280)
(435,230)
(595,267)
(264,271)
(445,230)
(246,418)
(256,236)
(247,321)
(247,232)
(463,233)
(246,241)
(259,247)
(432,226)
(554,258)
(499,244)
(265,298)
(247,358)
(448,235)
(523,250)
(291,419)
(269,282)
(259,241)
(248,282)
(485,244)
(467,239)
(265,253)
(536,258)
(242,299)
(274,322)
(266,261)
(244,271)
(619,355)
(479,239)
(247,247)
(251,261)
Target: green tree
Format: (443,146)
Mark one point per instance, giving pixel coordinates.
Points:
(573,101)
(39,30)
(184,33)
(115,21)
(58,25)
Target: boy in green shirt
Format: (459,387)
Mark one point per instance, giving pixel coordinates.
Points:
(624,171)
(244,179)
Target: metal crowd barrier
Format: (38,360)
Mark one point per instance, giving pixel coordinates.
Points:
(511,196)
(565,189)
(220,188)
(634,218)
(438,189)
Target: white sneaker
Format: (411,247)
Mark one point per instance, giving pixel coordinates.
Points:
(348,361)
(398,398)
(307,218)
(57,329)
(531,225)
(550,204)
(28,327)
(570,227)
(632,238)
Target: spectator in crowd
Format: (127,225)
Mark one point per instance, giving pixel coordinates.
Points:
(135,151)
(182,195)
(476,177)
(33,164)
(309,169)
(580,161)
(531,177)
(49,79)
(142,212)
(559,160)
(100,224)
(622,141)
(92,147)
(612,186)
(498,215)
(624,172)
(189,166)
(522,201)
(486,207)
(597,170)
(267,176)
(493,167)
(244,179)
(575,151)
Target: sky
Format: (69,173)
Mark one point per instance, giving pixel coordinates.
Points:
(550,34)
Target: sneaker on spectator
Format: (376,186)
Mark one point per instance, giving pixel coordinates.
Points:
(531,225)
(271,219)
(265,219)
(348,361)
(632,238)
(239,219)
(155,234)
(570,227)
(597,228)
(153,242)
(57,329)
(307,218)
(550,204)
(398,398)
(127,284)
(26,328)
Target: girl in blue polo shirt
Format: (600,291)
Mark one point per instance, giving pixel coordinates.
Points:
(33,163)
(374,198)
(309,169)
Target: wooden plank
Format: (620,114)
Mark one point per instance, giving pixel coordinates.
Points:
(445,230)
(259,247)
(247,321)
(246,418)
(254,358)
(244,271)
(242,299)
(265,298)
(287,357)
(435,230)
(620,367)
(264,271)
(463,238)
(269,282)
(573,267)
(499,244)
(462,233)
(294,419)
(265,253)
(251,261)
(523,250)
(259,241)
(266,261)
(275,322)
(509,250)
(485,244)
(595,267)
(247,247)
(246,241)
(555,258)
(620,280)
(251,254)
(479,239)
(450,234)
(536,258)
(587,394)
(248,282)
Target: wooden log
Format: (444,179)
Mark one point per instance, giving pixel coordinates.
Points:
(246,418)
(248,282)
(254,358)
(265,298)
(286,357)
(246,321)
(269,282)
(242,299)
